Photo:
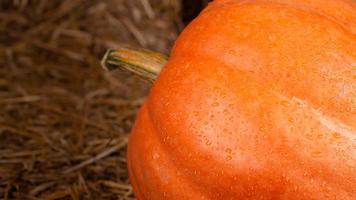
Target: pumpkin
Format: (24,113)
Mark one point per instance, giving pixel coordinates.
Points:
(257,101)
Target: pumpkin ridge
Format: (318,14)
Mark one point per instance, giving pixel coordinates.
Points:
(168,163)
(328,122)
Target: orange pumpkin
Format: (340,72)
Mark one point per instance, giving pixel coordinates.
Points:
(257,101)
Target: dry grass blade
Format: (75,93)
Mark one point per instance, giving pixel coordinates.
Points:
(115,185)
(97,157)
(57,194)
(135,32)
(10,154)
(40,188)
(70,54)
(25,99)
(20,132)
(148,9)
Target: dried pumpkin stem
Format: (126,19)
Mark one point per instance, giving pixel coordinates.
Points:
(144,63)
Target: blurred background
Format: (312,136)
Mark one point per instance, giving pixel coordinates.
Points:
(64,121)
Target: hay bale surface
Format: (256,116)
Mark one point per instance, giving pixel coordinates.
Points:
(64,122)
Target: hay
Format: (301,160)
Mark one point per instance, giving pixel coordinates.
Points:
(64,122)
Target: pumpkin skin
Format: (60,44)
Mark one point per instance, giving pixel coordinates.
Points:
(257,101)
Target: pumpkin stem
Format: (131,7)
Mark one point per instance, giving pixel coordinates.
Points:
(144,63)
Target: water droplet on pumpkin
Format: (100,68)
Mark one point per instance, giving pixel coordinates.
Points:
(263,128)
(228,157)
(208,142)
(228,150)
(215,104)
(336,135)
(155,156)
(290,119)
(317,153)
(285,103)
